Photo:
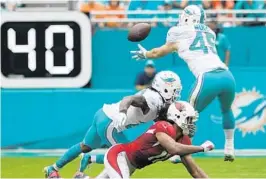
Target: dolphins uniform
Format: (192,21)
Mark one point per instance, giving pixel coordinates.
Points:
(196,46)
(103,127)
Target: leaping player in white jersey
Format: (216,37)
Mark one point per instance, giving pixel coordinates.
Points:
(112,119)
(195,44)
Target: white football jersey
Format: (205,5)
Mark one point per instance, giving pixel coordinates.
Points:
(196,47)
(135,115)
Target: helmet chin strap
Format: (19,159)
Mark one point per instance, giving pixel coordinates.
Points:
(158,93)
(164,100)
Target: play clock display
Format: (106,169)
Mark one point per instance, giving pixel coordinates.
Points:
(45,50)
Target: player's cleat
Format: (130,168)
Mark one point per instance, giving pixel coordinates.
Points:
(175,159)
(50,172)
(229,152)
(229,158)
(81,175)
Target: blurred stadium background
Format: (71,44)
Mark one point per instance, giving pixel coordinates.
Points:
(58,67)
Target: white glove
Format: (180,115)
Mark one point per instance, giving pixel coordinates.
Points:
(120,121)
(207,146)
(140,54)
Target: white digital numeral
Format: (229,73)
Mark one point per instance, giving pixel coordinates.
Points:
(28,48)
(49,55)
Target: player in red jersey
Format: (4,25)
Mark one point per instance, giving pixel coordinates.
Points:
(160,142)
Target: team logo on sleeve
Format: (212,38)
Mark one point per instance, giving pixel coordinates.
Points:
(249,109)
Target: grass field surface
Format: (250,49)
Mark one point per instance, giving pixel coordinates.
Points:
(214,167)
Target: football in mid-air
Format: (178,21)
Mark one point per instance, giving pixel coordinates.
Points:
(139,32)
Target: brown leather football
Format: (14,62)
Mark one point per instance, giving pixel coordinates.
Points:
(139,32)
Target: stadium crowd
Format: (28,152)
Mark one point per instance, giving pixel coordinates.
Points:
(87,6)
(166,5)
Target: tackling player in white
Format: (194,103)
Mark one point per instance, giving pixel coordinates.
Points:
(112,119)
(195,44)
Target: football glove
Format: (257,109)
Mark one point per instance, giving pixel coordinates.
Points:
(207,146)
(140,54)
(120,121)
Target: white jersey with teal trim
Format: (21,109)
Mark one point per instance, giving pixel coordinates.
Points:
(196,47)
(135,115)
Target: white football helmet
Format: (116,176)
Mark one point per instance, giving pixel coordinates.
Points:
(168,84)
(184,115)
(192,14)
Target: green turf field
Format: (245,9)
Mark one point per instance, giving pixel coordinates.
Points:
(215,168)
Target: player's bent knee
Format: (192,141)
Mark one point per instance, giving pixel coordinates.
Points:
(85,148)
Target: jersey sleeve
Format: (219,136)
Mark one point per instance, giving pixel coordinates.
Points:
(165,127)
(174,34)
(185,140)
(153,100)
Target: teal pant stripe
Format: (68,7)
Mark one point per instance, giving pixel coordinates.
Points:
(109,134)
(196,90)
(200,89)
(191,91)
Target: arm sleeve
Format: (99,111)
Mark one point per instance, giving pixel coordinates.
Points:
(173,34)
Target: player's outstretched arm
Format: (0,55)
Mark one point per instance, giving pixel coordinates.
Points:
(175,148)
(162,51)
(191,166)
(135,100)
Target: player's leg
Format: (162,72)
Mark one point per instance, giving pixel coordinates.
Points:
(201,95)
(116,163)
(91,141)
(226,99)
(108,137)
(86,160)
(101,122)
(203,91)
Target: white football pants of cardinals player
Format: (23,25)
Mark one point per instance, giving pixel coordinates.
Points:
(116,163)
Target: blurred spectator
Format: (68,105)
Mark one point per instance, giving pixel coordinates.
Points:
(222,4)
(181,4)
(92,5)
(222,43)
(114,5)
(123,3)
(252,5)
(166,6)
(144,5)
(145,78)
(10,5)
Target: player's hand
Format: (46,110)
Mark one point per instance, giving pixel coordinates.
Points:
(140,54)
(207,146)
(120,121)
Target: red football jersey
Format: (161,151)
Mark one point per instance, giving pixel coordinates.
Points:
(146,149)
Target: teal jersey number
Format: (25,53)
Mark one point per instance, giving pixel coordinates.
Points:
(199,43)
